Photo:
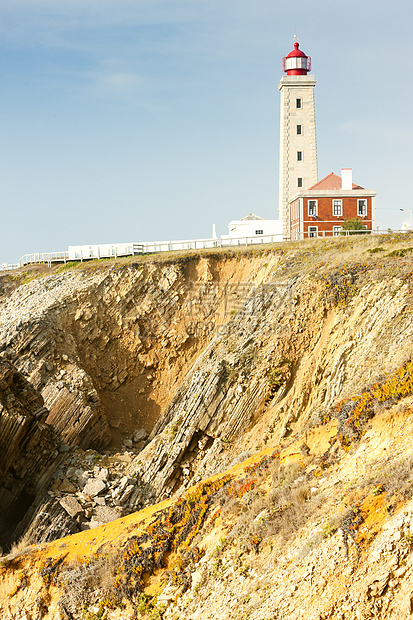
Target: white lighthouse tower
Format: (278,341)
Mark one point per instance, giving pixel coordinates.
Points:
(298,145)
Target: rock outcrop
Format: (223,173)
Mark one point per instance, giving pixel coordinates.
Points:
(108,348)
(292,351)
(30,449)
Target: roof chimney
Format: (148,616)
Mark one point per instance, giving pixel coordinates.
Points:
(346,178)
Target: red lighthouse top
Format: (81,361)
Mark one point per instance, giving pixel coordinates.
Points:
(296,63)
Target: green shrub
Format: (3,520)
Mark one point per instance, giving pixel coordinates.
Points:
(354,224)
(69,265)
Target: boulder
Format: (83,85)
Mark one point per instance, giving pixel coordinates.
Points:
(71,505)
(94,487)
(140,435)
(67,487)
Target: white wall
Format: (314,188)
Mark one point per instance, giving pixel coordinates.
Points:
(248,228)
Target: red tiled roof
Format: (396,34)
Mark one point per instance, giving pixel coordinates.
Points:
(331,181)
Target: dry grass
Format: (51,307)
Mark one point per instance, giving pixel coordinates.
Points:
(396,479)
(22,547)
(90,582)
(278,506)
(291,505)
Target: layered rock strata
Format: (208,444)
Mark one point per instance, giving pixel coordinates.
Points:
(30,448)
(212,356)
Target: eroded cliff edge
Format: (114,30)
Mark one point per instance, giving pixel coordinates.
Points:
(216,357)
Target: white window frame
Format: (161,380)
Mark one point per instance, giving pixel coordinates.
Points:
(300,156)
(315,206)
(337,205)
(313,231)
(299,181)
(336,231)
(299,103)
(363,209)
(300,133)
(259,232)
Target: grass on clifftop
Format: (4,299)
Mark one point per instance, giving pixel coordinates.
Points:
(301,254)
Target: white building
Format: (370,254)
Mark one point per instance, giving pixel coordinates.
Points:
(252,226)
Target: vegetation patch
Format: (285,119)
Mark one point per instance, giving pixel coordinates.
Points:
(263,465)
(280,375)
(20,585)
(339,285)
(172,532)
(353,413)
(350,523)
(401,252)
(107,579)
(70,264)
(354,226)
(395,481)
(50,570)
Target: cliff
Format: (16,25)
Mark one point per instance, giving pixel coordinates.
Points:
(29,448)
(277,381)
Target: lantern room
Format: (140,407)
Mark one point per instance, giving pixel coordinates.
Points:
(296,63)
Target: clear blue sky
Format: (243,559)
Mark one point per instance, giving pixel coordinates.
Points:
(134,120)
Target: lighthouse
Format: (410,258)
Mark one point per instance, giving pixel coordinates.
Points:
(298,145)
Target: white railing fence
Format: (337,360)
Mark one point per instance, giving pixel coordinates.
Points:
(92,252)
(87,252)
(44,257)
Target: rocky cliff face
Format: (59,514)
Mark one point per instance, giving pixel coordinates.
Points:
(297,346)
(29,448)
(161,374)
(107,348)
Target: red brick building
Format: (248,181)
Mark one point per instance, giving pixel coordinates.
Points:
(320,210)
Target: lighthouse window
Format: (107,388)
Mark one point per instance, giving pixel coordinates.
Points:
(259,232)
(362,206)
(337,207)
(299,182)
(298,130)
(312,207)
(298,103)
(299,156)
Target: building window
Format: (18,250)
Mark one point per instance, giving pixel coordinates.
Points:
(259,232)
(299,182)
(299,156)
(336,231)
(298,103)
(337,207)
(299,131)
(362,206)
(312,207)
(313,231)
